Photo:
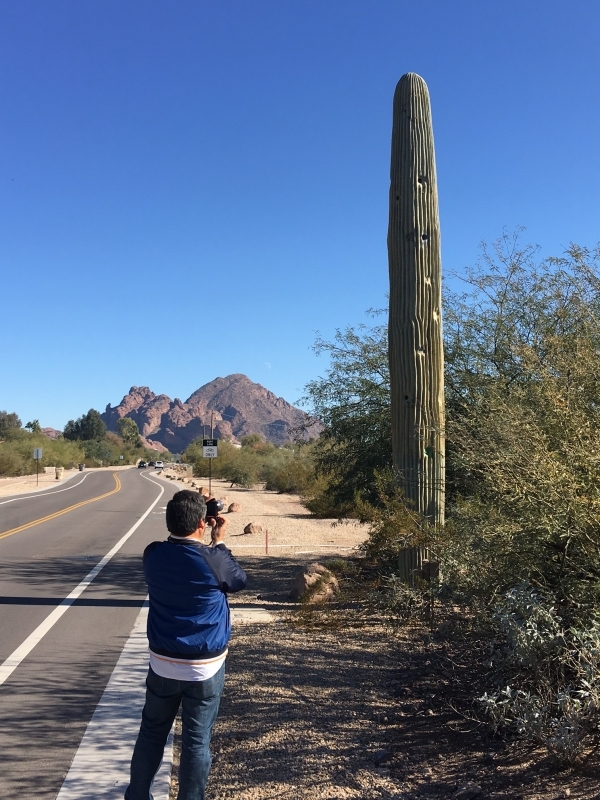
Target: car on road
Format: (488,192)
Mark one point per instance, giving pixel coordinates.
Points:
(159,465)
(142,465)
(151,464)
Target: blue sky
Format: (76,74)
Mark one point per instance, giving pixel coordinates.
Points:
(190,189)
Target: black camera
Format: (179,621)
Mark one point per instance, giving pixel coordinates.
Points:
(213,507)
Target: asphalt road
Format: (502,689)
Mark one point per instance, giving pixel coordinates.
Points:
(47,700)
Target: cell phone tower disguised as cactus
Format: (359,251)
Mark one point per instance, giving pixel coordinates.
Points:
(415,321)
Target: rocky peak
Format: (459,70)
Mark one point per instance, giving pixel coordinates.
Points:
(238,405)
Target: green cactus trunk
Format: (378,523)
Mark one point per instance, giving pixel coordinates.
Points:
(415,322)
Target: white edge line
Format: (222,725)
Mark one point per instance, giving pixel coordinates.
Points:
(111,744)
(28,496)
(13,661)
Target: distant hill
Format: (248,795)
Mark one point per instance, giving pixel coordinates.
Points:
(240,407)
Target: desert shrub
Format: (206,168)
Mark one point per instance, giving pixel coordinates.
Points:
(13,464)
(16,453)
(548,674)
(287,469)
(243,471)
(523,426)
(291,470)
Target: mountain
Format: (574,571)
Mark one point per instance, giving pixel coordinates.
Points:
(239,407)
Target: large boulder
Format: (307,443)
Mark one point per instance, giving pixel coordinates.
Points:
(314,584)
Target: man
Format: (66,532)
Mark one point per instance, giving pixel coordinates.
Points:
(188,631)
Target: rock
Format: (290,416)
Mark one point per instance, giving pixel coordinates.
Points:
(314,584)
(445,629)
(252,528)
(381,756)
(234,508)
(236,405)
(204,492)
(467,791)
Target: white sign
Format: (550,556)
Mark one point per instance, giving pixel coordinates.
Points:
(37,453)
(210,448)
(121,457)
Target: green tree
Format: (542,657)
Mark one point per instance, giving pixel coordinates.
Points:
(87,428)
(352,400)
(523,422)
(8,423)
(128,431)
(252,440)
(34,426)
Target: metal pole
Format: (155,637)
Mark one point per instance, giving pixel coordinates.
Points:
(37,472)
(210,459)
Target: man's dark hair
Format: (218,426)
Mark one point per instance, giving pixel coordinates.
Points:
(184,512)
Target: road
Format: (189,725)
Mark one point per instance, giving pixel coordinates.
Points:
(58,652)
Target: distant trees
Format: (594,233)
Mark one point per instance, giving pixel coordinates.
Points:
(282,469)
(87,428)
(8,422)
(85,440)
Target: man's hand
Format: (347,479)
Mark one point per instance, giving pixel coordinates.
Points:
(218,525)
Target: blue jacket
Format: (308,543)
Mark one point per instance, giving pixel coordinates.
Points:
(187,583)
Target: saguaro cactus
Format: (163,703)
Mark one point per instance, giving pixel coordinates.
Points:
(415,323)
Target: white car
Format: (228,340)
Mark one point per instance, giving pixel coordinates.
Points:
(159,465)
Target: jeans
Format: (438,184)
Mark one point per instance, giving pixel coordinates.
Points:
(200,704)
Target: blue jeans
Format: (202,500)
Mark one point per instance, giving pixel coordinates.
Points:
(200,704)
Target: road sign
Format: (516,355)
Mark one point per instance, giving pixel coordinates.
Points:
(121,458)
(210,448)
(37,453)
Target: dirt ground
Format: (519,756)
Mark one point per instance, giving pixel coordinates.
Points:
(353,709)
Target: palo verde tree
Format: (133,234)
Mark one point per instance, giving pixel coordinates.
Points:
(416,354)
(128,431)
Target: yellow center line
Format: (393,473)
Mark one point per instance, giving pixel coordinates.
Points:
(64,510)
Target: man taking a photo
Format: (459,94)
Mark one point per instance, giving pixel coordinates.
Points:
(188,632)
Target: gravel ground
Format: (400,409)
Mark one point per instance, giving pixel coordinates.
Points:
(291,529)
(351,709)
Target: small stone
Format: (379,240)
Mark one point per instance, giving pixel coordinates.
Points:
(467,791)
(381,756)
(234,508)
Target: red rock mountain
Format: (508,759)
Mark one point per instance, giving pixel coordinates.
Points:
(240,407)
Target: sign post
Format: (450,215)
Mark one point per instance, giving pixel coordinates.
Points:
(37,454)
(210,450)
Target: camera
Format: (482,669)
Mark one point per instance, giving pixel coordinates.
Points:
(213,507)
